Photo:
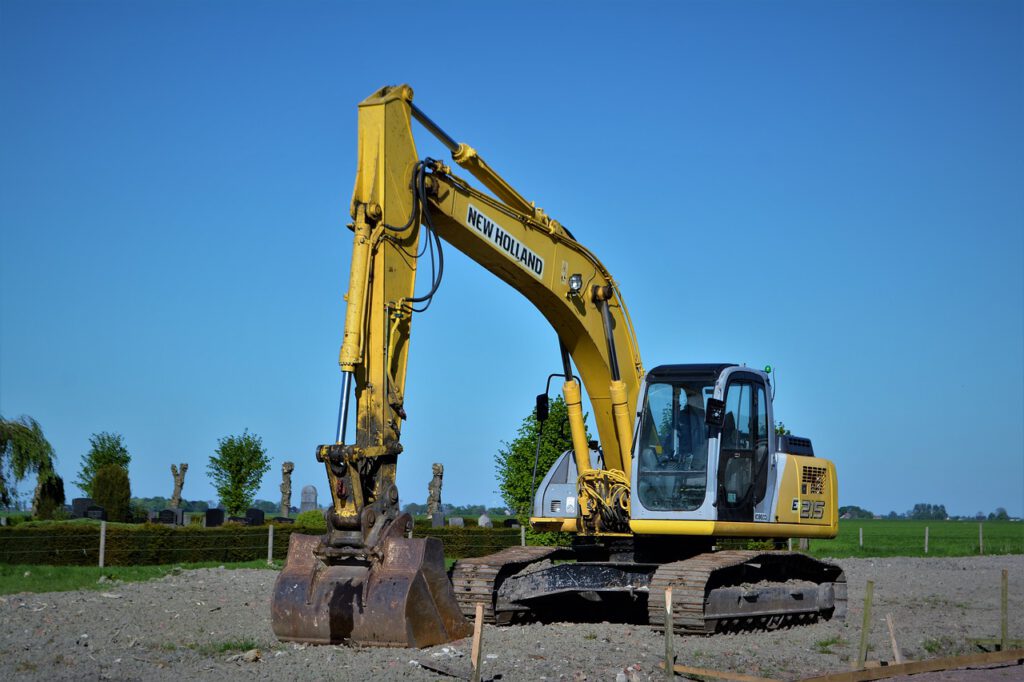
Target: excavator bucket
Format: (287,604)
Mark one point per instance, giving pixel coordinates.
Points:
(405,600)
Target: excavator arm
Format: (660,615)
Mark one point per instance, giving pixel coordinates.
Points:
(365,581)
(401,206)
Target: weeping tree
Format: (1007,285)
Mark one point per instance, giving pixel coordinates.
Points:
(24,450)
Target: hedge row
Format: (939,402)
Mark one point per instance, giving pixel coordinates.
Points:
(77,544)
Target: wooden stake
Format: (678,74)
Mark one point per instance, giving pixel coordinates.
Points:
(522,536)
(981,540)
(861,537)
(926,539)
(790,541)
(862,651)
(270,545)
(1002,612)
(478,635)
(670,657)
(102,543)
(897,655)
(914,667)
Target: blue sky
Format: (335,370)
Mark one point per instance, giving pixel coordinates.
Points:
(833,188)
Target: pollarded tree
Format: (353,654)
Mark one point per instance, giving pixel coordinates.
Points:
(104,448)
(112,491)
(237,467)
(23,450)
(514,460)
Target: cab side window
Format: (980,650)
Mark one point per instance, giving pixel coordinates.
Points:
(737,427)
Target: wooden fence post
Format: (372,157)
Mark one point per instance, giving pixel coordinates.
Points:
(789,541)
(270,545)
(862,651)
(861,537)
(981,540)
(1002,612)
(926,539)
(522,536)
(103,542)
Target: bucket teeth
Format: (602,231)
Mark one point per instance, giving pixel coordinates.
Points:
(405,600)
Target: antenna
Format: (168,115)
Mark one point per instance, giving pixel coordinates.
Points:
(769,370)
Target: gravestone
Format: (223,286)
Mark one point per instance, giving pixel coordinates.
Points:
(510,523)
(437,520)
(282,519)
(484,521)
(456,522)
(254,517)
(96,513)
(214,518)
(171,517)
(308,499)
(78,507)
(238,519)
(3,520)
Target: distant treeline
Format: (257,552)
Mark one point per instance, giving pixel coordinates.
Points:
(922,512)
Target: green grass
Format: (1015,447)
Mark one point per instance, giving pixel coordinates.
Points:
(906,538)
(824,646)
(32,578)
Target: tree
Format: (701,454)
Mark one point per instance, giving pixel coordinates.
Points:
(237,469)
(112,491)
(104,448)
(928,512)
(781,430)
(855,512)
(49,497)
(23,450)
(1000,514)
(514,460)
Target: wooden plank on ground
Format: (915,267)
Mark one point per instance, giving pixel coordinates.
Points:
(717,674)
(914,667)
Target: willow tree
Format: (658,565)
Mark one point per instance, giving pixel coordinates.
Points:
(24,450)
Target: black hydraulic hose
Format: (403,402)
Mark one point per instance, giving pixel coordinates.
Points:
(613,358)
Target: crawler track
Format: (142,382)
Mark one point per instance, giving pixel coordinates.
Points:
(751,574)
(477,579)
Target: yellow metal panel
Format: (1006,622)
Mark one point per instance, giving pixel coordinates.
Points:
(735,529)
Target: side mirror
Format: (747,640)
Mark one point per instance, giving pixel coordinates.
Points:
(714,417)
(542,407)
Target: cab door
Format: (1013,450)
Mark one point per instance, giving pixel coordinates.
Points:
(743,448)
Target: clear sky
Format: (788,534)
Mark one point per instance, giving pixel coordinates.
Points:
(835,188)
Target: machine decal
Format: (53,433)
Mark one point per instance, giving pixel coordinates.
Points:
(570,505)
(503,240)
(796,503)
(760,516)
(812,510)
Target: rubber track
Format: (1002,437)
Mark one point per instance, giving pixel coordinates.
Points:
(688,580)
(476,579)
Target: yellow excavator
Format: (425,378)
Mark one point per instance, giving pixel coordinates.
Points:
(687,459)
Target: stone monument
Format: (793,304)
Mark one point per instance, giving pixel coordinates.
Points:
(308,499)
(434,496)
(286,487)
(484,521)
(179,483)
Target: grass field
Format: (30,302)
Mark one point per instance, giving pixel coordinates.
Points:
(33,578)
(906,538)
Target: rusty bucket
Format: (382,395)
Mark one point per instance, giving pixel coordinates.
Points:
(405,600)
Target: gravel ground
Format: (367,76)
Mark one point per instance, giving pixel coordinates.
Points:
(183,626)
